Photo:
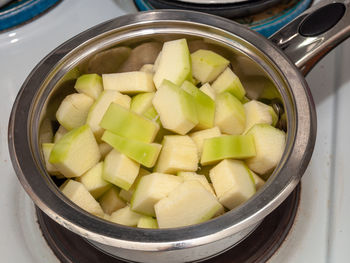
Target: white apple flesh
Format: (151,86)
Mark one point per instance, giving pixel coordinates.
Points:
(227,146)
(99,108)
(125,216)
(110,201)
(179,153)
(147,222)
(89,84)
(128,124)
(189,203)
(269,144)
(257,112)
(176,108)
(93,181)
(233,183)
(129,82)
(229,82)
(174,63)
(76,152)
(229,114)
(188,176)
(207,89)
(199,136)
(152,188)
(207,65)
(79,195)
(205,106)
(120,170)
(73,110)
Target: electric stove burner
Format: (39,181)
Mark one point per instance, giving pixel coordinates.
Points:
(258,247)
(267,21)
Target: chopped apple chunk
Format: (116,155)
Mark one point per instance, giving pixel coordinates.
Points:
(207,89)
(79,195)
(129,124)
(129,82)
(229,82)
(46,131)
(125,216)
(227,146)
(229,114)
(199,137)
(187,176)
(189,203)
(140,55)
(94,182)
(73,111)
(233,182)
(269,144)
(205,106)
(153,115)
(176,108)
(99,108)
(89,84)
(143,153)
(127,195)
(207,65)
(174,64)
(110,201)
(179,153)
(152,188)
(120,170)
(156,62)
(76,152)
(257,112)
(147,222)
(141,102)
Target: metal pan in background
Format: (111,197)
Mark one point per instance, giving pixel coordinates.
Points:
(266,22)
(239,8)
(213,2)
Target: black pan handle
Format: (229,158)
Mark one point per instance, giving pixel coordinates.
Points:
(314,33)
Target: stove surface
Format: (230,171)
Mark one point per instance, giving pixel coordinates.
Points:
(321,232)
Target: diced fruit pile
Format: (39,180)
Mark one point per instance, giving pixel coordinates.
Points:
(173,144)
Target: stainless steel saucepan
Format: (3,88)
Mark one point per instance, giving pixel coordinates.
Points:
(270,69)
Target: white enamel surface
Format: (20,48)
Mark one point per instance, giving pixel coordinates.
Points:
(321,232)
(338,214)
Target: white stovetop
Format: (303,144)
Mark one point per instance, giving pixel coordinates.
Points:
(321,232)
